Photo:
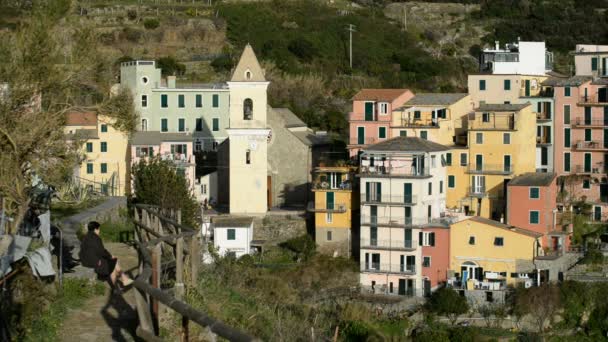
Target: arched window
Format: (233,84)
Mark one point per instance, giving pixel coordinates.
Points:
(144,125)
(248,109)
(248,75)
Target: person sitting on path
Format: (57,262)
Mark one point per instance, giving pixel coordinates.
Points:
(94,255)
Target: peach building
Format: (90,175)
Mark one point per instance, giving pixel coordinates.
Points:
(370,120)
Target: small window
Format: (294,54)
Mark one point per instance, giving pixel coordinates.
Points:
(534,193)
(89,168)
(448,159)
(426,261)
(104,146)
(451,181)
(216,124)
(433,161)
(248,157)
(144,80)
(248,75)
(567,162)
(440,187)
(104,128)
(567,114)
(499,241)
(89,147)
(463,159)
(231,234)
(329,217)
(567,91)
(144,125)
(586,184)
(164,125)
(248,109)
(416,115)
(403,133)
(104,168)
(485,117)
(382,132)
(506,138)
(181,125)
(482,84)
(164,101)
(215,101)
(507,84)
(181,101)
(199,124)
(144,101)
(424,135)
(329,235)
(199,100)
(479,138)
(383,108)
(471,240)
(430,188)
(534,217)
(566,137)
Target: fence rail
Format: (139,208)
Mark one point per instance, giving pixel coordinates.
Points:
(155,232)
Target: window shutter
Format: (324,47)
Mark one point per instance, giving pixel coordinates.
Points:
(367,187)
(432,239)
(420,239)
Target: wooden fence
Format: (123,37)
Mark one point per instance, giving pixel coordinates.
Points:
(158,231)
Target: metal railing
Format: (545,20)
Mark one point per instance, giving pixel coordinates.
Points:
(594,169)
(405,171)
(492,122)
(389,244)
(389,199)
(542,140)
(593,98)
(478,191)
(594,122)
(593,145)
(499,169)
(388,221)
(425,122)
(387,268)
(178,158)
(153,232)
(322,207)
(327,186)
(543,116)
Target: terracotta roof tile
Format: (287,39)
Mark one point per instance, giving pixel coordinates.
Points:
(81,119)
(379,94)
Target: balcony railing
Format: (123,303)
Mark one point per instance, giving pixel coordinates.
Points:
(327,186)
(389,244)
(405,171)
(389,199)
(594,169)
(543,140)
(428,123)
(178,158)
(389,221)
(543,116)
(593,99)
(478,191)
(592,145)
(364,141)
(322,207)
(588,123)
(387,268)
(493,169)
(493,122)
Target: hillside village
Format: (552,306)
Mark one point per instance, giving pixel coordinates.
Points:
(427,212)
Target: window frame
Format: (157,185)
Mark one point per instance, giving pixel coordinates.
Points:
(530,192)
(181,125)
(499,241)
(89,147)
(472,240)
(198,100)
(215,101)
(215,125)
(103,146)
(164,100)
(228,231)
(103,168)
(380,130)
(144,101)
(537,212)
(479,138)
(104,128)
(453,181)
(426,264)
(482,85)
(567,91)
(90,169)
(506,138)
(166,121)
(181,101)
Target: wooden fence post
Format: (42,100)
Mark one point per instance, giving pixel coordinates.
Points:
(156,278)
(195,257)
(179,268)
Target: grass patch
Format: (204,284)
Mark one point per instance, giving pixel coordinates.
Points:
(61,210)
(45,325)
(120,231)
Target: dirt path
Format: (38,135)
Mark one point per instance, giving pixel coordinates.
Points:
(108,317)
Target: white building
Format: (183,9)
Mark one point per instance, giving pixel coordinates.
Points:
(232,235)
(206,189)
(521,58)
(403,189)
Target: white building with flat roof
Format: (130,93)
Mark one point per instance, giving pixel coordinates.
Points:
(520,58)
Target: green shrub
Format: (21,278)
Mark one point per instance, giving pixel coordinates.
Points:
(121,231)
(170,66)
(151,23)
(304,246)
(222,63)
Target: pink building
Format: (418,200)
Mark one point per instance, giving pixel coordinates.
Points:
(581,139)
(436,257)
(174,147)
(370,119)
(532,205)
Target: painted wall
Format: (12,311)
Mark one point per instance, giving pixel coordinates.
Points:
(240,245)
(495,87)
(440,256)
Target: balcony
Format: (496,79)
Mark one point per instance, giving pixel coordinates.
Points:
(385,171)
(397,222)
(490,169)
(578,122)
(373,267)
(492,122)
(364,141)
(544,140)
(594,169)
(593,99)
(592,145)
(321,207)
(543,117)
(495,284)
(394,200)
(477,191)
(178,158)
(345,185)
(406,245)
(418,123)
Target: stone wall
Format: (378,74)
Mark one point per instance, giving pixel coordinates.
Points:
(275,229)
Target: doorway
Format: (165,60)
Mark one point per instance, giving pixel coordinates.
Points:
(269,191)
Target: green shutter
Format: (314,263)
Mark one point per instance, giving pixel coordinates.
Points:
(482,84)
(534,193)
(181,101)
(567,91)
(587,162)
(448,158)
(216,100)
(104,128)
(379,190)
(403,133)
(216,124)
(104,168)
(534,217)
(424,135)
(89,147)
(89,168)
(382,133)
(567,162)
(566,137)
(587,134)
(369,111)
(417,114)
(507,84)
(407,193)
(164,101)
(587,115)
(329,200)
(199,101)
(104,146)
(164,125)
(360,135)
(567,114)
(594,63)
(367,187)
(181,125)
(451,181)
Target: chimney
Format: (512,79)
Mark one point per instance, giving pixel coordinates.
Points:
(497,43)
(170,81)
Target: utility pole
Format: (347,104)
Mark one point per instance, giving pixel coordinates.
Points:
(351,29)
(404,18)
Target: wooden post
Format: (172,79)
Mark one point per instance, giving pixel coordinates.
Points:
(179,268)
(195,258)
(178,218)
(156,273)
(185,330)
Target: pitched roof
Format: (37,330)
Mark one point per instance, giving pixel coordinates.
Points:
(573,81)
(442,99)
(407,144)
(291,120)
(248,62)
(156,137)
(379,94)
(85,134)
(497,224)
(501,107)
(230,221)
(80,119)
(533,179)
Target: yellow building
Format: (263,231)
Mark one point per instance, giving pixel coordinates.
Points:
(333,203)
(435,117)
(500,142)
(485,254)
(104,165)
(501,88)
